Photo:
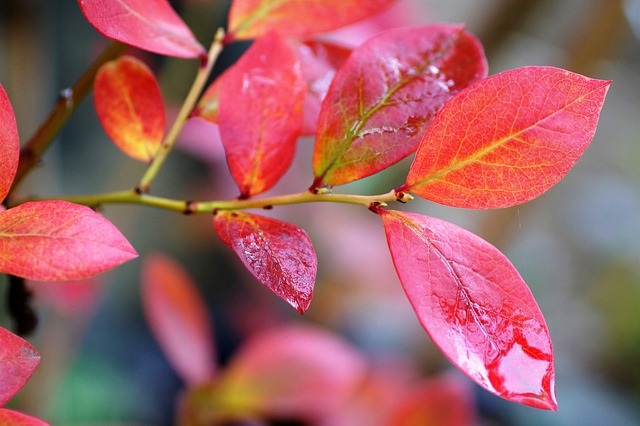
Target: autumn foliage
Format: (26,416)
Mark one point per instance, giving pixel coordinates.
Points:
(479,143)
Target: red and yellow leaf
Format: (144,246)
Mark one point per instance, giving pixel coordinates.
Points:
(15,418)
(253,18)
(507,139)
(9,145)
(178,319)
(445,400)
(278,254)
(384,96)
(288,372)
(475,306)
(320,60)
(207,107)
(18,361)
(260,113)
(128,102)
(150,25)
(57,240)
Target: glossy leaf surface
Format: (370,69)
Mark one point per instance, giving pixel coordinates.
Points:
(178,318)
(287,372)
(508,138)
(475,306)
(150,25)
(260,113)
(253,18)
(384,96)
(57,240)
(9,145)
(278,254)
(128,102)
(18,360)
(320,60)
(15,418)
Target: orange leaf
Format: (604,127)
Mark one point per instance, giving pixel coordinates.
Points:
(445,400)
(507,139)
(57,240)
(178,318)
(129,105)
(9,145)
(253,18)
(384,96)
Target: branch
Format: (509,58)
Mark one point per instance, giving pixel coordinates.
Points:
(188,105)
(68,101)
(188,207)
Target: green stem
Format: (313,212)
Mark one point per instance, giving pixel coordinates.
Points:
(187,207)
(68,101)
(192,97)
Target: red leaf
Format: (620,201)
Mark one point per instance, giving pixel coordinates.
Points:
(475,306)
(384,96)
(9,145)
(320,61)
(207,107)
(253,18)
(260,113)
(18,360)
(291,371)
(445,400)
(178,319)
(278,254)
(508,138)
(150,25)
(57,240)
(128,102)
(15,418)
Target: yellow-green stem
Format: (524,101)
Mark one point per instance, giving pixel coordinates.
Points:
(192,97)
(134,197)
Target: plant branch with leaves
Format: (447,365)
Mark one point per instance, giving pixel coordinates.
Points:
(479,143)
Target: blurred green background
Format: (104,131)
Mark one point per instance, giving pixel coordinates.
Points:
(577,246)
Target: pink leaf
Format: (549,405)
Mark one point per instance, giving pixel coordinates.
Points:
(319,61)
(385,95)
(260,113)
(278,254)
(178,318)
(15,418)
(9,145)
(18,360)
(128,102)
(291,371)
(150,25)
(253,18)
(507,139)
(475,306)
(57,240)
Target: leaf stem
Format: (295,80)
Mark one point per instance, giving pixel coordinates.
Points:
(68,101)
(192,97)
(188,207)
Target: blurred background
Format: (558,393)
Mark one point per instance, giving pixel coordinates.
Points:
(577,246)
